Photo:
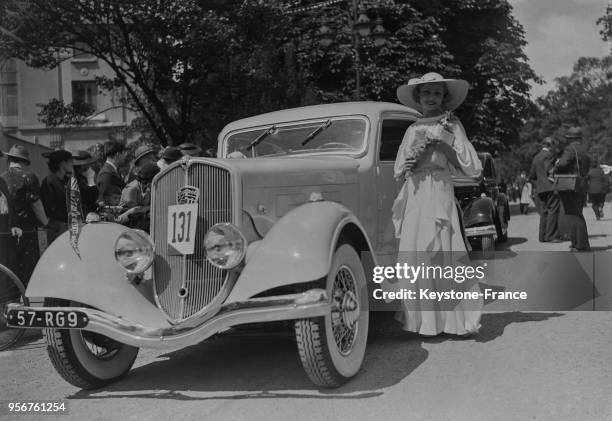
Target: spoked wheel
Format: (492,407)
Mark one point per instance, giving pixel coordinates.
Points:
(11,291)
(332,347)
(488,245)
(85,359)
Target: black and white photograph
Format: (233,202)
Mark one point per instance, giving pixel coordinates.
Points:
(306,210)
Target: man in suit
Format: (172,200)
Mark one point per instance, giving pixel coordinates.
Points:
(575,160)
(550,203)
(109,178)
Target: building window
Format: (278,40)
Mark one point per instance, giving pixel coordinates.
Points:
(85,92)
(8,88)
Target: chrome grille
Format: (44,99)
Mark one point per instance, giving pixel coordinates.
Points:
(185,285)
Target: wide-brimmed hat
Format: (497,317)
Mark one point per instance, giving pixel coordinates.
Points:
(172,154)
(141,152)
(574,133)
(57,155)
(457,91)
(81,158)
(19,152)
(190,149)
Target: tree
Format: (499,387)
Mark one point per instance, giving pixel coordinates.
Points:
(584,99)
(191,66)
(173,57)
(478,41)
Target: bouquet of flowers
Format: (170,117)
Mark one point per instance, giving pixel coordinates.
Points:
(441,132)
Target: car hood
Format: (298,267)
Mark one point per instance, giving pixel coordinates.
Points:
(295,171)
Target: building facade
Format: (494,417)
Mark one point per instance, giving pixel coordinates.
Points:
(23,87)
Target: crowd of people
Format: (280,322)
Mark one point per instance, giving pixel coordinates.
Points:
(561,217)
(26,205)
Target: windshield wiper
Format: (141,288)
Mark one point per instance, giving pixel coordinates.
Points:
(261,137)
(316,132)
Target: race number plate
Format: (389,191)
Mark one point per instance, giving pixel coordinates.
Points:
(46,318)
(182,221)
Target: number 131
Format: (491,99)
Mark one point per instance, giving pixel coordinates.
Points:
(184,223)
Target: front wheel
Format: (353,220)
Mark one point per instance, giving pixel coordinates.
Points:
(85,359)
(332,347)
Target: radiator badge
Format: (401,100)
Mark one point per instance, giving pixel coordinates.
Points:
(187,194)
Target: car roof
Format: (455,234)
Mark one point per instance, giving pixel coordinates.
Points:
(368,108)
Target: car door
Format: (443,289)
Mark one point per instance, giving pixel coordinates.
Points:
(391,133)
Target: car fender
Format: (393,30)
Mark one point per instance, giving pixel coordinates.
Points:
(479,211)
(93,277)
(298,248)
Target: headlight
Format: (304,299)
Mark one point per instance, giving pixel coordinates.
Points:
(225,246)
(134,251)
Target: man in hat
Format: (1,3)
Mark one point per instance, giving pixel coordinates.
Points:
(190,149)
(53,191)
(24,191)
(136,197)
(550,203)
(575,160)
(109,175)
(142,155)
(169,155)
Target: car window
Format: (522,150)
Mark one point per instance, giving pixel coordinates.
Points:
(324,136)
(391,137)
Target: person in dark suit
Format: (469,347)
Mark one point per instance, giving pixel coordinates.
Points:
(599,185)
(109,175)
(550,202)
(575,160)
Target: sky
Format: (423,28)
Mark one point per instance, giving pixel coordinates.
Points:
(558,32)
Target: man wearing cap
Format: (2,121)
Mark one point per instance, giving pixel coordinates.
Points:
(550,203)
(136,197)
(53,191)
(575,160)
(109,175)
(142,155)
(190,149)
(24,189)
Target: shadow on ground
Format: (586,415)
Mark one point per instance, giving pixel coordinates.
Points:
(268,366)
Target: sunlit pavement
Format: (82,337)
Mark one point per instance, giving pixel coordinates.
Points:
(530,365)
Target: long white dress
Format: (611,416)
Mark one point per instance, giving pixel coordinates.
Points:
(427,225)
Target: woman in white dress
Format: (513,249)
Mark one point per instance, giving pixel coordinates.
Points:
(426,220)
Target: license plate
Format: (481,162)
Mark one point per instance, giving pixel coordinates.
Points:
(182,220)
(47,318)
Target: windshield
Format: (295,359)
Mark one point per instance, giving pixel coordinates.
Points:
(323,136)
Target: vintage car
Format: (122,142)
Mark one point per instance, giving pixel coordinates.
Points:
(284,225)
(485,209)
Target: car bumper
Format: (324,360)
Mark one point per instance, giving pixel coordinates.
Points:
(312,303)
(480,231)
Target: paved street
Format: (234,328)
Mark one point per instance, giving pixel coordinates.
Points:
(522,365)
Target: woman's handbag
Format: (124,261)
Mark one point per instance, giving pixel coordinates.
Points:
(570,182)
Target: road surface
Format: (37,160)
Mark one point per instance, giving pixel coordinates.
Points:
(521,366)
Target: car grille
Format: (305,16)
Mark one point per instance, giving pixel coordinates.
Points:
(186,285)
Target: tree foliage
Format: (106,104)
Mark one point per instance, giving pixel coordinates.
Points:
(582,99)
(191,66)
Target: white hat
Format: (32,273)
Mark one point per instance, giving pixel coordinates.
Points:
(457,91)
